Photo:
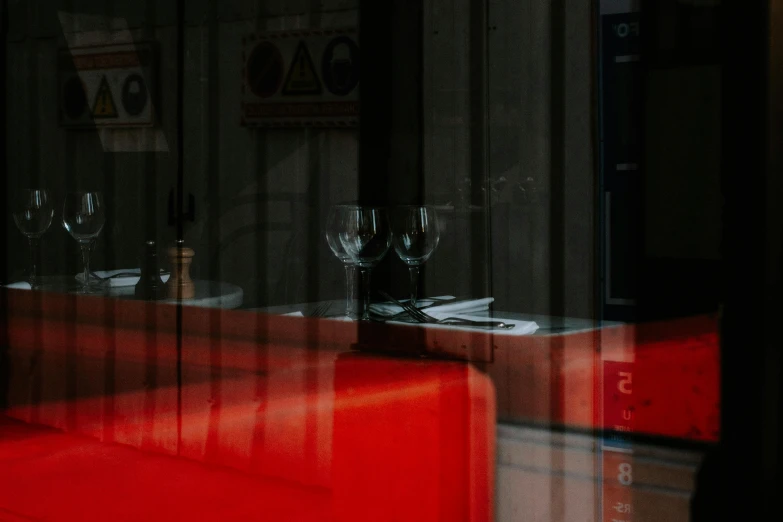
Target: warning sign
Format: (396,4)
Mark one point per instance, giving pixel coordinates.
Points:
(104,103)
(340,66)
(107,86)
(300,78)
(134,94)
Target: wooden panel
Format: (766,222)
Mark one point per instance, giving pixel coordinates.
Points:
(520,152)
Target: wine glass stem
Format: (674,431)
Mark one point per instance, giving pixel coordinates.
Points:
(33,256)
(350,277)
(414,270)
(366,294)
(86,248)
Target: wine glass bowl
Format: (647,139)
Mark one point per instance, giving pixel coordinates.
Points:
(366,237)
(83,215)
(416,233)
(83,218)
(33,211)
(416,236)
(335,224)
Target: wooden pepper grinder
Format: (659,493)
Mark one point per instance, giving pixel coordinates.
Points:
(179,285)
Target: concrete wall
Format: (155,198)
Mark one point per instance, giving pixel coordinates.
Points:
(262,195)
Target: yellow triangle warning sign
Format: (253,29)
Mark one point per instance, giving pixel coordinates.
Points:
(104,106)
(302,80)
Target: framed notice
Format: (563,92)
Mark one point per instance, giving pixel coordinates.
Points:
(301,78)
(107,86)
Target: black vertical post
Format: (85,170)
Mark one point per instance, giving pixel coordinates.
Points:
(378,28)
(375,122)
(4,361)
(480,221)
(741,479)
(557,66)
(179,190)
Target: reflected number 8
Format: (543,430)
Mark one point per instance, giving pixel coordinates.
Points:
(625,477)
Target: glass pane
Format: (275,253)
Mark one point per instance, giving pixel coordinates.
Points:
(348,259)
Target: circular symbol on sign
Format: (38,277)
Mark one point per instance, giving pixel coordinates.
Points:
(74,98)
(340,66)
(265,70)
(134,95)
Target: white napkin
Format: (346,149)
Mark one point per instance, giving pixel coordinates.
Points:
(21,285)
(333,318)
(461,307)
(120,281)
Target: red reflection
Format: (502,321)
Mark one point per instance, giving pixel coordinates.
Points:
(278,418)
(289,433)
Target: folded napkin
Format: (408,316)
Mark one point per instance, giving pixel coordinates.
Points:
(120,281)
(21,285)
(331,318)
(458,307)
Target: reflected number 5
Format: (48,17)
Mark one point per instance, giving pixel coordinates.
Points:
(625,383)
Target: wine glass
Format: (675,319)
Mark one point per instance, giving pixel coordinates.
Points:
(83,218)
(33,212)
(416,236)
(335,224)
(366,237)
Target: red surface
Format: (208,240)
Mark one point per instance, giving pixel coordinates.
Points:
(47,475)
(338,436)
(286,406)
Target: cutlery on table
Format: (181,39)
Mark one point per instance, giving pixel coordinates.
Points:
(435,302)
(423,317)
(123,274)
(321,310)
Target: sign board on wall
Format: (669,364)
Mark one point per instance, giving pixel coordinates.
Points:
(107,86)
(301,78)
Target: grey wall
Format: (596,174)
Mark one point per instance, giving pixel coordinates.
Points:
(262,195)
(538,113)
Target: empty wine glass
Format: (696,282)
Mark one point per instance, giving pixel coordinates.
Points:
(83,218)
(33,212)
(416,236)
(335,224)
(366,237)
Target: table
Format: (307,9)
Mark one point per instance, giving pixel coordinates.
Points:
(209,294)
(547,324)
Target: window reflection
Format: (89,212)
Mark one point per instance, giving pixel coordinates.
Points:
(338,260)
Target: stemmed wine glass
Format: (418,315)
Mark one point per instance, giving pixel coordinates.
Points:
(416,236)
(83,218)
(335,224)
(33,212)
(366,237)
